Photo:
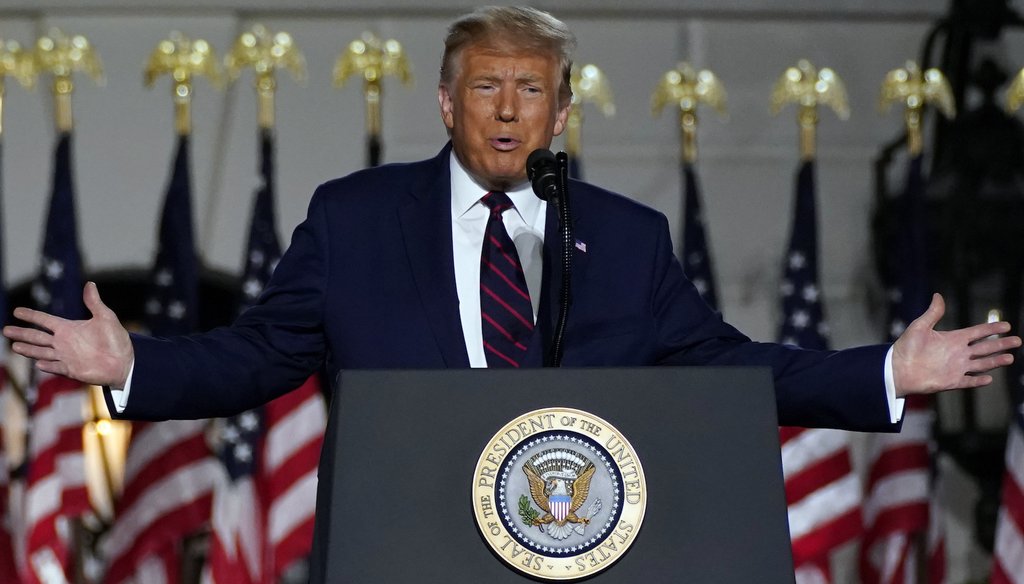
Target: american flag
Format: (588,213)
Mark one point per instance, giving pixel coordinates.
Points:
(696,254)
(263,514)
(899,484)
(55,490)
(1008,558)
(822,492)
(169,471)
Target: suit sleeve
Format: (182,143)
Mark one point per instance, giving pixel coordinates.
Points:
(272,348)
(836,389)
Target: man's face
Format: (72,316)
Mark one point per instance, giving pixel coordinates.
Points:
(499,108)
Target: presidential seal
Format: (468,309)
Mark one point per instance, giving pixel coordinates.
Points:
(559,494)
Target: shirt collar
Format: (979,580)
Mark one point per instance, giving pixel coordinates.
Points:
(466,193)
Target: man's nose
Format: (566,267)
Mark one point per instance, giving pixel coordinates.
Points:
(507,107)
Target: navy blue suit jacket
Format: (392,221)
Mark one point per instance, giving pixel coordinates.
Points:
(368,282)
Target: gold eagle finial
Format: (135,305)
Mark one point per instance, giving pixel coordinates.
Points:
(265,53)
(372,59)
(809,87)
(916,89)
(61,56)
(686,88)
(589,85)
(182,58)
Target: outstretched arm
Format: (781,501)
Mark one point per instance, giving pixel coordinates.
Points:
(925,360)
(96,351)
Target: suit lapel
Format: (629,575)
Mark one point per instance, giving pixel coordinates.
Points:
(551,288)
(427,232)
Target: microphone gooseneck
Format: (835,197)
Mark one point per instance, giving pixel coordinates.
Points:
(548,175)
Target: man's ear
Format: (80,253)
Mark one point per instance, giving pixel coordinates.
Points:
(561,118)
(444,100)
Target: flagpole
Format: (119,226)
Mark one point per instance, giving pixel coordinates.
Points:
(372,59)
(589,85)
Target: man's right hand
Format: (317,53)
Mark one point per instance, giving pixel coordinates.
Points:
(96,351)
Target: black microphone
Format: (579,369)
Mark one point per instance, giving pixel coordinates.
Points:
(542,170)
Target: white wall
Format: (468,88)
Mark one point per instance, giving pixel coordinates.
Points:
(123,143)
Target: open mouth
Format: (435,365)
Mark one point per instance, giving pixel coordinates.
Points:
(504,143)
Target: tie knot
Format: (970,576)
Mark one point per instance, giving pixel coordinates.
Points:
(497,201)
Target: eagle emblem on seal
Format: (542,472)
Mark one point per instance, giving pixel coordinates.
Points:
(559,482)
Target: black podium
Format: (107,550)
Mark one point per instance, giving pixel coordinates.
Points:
(397,467)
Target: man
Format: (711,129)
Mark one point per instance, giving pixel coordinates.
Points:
(386,272)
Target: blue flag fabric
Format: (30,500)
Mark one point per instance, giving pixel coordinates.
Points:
(696,255)
(58,287)
(803,316)
(908,286)
(172,305)
(264,248)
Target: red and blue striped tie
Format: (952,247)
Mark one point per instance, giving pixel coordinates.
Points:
(505,309)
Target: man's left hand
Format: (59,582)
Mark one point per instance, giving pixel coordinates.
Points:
(925,360)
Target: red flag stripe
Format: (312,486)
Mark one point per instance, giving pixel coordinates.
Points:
(826,505)
(825,471)
(165,511)
(55,486)
(826,536)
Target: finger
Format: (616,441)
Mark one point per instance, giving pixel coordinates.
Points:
(990,362)
(54,367)
(29,335)
(985,329)
(34,351)
(91,296)
(992,346)
(933,315)
(972,381)
(38,318)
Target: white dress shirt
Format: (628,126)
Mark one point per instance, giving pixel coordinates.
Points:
(525,225)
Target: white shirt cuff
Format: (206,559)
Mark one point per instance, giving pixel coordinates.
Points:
(895,404)
(120,395)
